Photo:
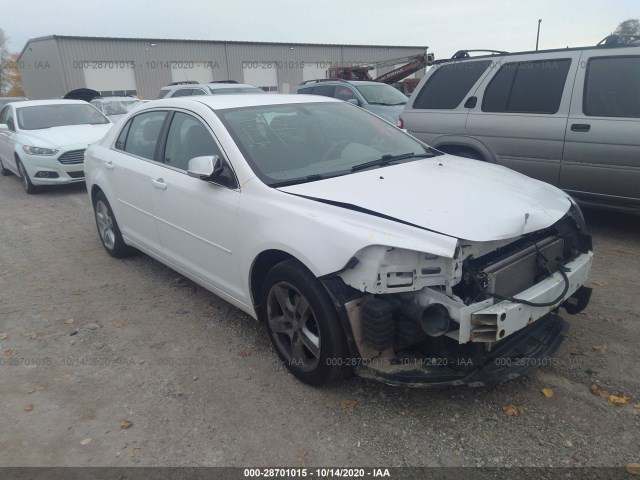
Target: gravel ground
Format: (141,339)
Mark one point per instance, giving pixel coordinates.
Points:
(95,344)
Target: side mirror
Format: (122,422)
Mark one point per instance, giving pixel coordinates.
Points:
(205,168)
(4,127)
(354,101)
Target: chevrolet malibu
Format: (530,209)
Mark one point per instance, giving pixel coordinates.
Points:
(43,141)
(360,248)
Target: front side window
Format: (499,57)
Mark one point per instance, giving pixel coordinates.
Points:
(188,138)
(286,144)
(449,84)
(527,87)
(58,115)
(140,135)
(612,87)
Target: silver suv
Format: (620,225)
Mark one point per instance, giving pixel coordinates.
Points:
(189,88)
(569,117)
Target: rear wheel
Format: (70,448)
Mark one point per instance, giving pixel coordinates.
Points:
(24,178)
(302,324)
(108,229)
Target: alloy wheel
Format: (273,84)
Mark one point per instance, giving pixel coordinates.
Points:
(105,225)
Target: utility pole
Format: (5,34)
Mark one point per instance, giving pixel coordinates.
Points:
(538,35)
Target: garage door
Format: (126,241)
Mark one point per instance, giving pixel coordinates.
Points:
(199,71)
(110,78)
(261,74)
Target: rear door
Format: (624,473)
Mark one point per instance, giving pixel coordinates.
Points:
(521,112)
(602,149)
(132,170)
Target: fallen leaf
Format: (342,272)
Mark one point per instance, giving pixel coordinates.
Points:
(3,336)
(547,392)
(618,399)
(33,336)
(35,389)
(600,283)
(78,291)
(120,322)
(633,468)
(212,307)
(600,348)
(124,423)
(245,352)
(344,404)
(4,272)
(28,408)
(595,389)
(69,321)
(45,309)
(86,441)
(512,410)
(8,351)
(62,377)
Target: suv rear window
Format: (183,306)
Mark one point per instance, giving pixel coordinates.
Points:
(449,84)
(612,87)
(527,87)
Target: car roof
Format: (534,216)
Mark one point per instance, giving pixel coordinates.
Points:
(319,82)
(219,102)
(37,103)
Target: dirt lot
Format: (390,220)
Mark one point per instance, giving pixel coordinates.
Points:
(93,343)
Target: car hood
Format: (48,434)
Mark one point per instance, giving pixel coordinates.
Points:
(56,137)
(463,198)
(390,113)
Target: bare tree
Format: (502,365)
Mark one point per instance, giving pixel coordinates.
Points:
(628,27)
(4,55)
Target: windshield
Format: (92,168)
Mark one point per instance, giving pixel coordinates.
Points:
(118,107)
(220,91)
(58,115)
(382,94)
(287,144)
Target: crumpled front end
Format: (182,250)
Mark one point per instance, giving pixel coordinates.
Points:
(482,317)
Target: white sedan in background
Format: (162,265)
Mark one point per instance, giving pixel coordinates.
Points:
(43,141)
(359,247)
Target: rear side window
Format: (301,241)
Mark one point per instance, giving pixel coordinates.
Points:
(449,84)
(140,135)
(183,92)
(325,90)
(306,90)
(527,87)
(612,87)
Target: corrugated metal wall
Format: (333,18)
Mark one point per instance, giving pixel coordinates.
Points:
(41,70)
(152,60)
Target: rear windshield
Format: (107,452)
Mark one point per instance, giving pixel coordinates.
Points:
(47,116)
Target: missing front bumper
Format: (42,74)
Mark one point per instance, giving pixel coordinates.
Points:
(520,353)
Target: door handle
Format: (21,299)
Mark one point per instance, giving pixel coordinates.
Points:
(159,183)
(580,127)
(108,165)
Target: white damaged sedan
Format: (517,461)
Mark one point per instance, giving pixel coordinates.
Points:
(360,248)
(43,141)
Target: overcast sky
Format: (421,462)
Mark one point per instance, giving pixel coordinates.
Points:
(444,26)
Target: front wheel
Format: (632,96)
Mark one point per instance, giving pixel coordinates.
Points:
(108,228)
(24,178)
(302,324)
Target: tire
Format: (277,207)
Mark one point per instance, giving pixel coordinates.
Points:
(4,171)
(108,229)
(303,325)
(29,187)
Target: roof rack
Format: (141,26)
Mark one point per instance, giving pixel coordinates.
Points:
(465,53)
(185,82)
(618,39)
(317,80)
(224,81)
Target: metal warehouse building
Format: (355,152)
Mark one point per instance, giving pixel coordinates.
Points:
(51,66)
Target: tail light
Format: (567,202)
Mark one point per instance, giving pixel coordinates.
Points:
(400,123)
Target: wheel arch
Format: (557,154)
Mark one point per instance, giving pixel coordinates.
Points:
(454,144)
(261,265)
